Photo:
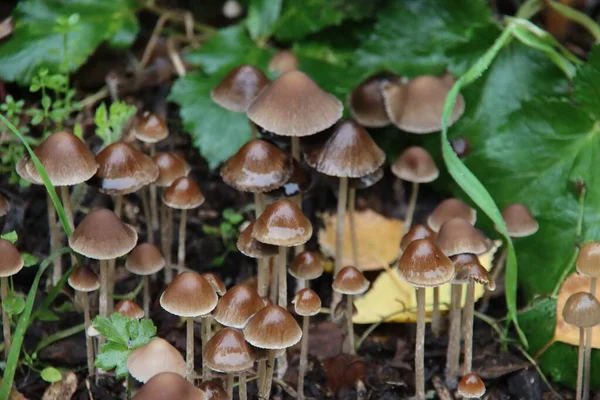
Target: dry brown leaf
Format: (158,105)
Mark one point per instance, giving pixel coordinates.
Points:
(15,394)
(62,390)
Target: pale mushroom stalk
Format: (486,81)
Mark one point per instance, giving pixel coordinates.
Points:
(229,384)
(268,375)
(350,324)
(181,248)
(204,338)
(189,349)
(89,344)
(5,317)
(66,200)
(420,346)
(454,333)
(412,203)
(103,298)
(242,386)
(282,268)
(303,357)
(297,198)
(339,236)
(263,264)
(468,328)
(580,364)
(146,295)
(496,272)
(436,323)
(273,292)
(144,195)
(165,228)
(587,363)
(153,206)
(112,264)
(54,241)
(353,236)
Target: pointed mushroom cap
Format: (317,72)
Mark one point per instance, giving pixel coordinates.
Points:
(129,309)
(423,265)
(416,232)
(150,128)
(258,166)
(464,259)
(227,351)
(272,328)
(21,169)
(239,88)
(366,101)
(236,306)
(123,169)
(417,106)
(448,209)
(349,151)
(294,105)
(170,167)
(582,310)
(471,387)
(415,164)
(306,265)
(169,386)
(11,261)
(283,61)
(153,358)
(519,221)
(183,194)
(66,159)
(473,272)
(213,390)
(307,303)
(145,259)
(251,247)
(588,260)
(189,295)
(4,206)
(216,283)
(459,236)
(102,235)
(350,281)
(282,224)
(84,279)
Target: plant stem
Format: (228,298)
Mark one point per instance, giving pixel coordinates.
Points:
(146,295)
(436,323)
(420,346)
(181,248)
(468,328)
(352,222)
(587,364)
(454,334)
(580,364)
(339,236)
(89,345)
(189,350)
(350,324)
(144,194)
(282,268)
(266,390)
(5,317)
(576,16)
(274,273)
(242,386)
(303,357)
(412,203)
(54,241)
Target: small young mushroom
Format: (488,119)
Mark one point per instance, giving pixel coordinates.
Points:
(448,209)
(168,386)
(306,304)
(129,309)
(145,260)
(11,262)
(213,390)
(306,266)
(283,61)
(366,101)
(206,331)
(351,282)
(239,88)
(153,358)
(457,236)
(471,387)
(417,232)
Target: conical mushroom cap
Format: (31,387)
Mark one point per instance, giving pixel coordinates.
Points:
(129,308)
(417,106)
(448,209)
(294,105)
(21,169)
(149,128)
(101,235)
(519,221)
(145,259)
(283,61)
(213,390)
(153,358)
(306,265)
(415,164)
(227,351)
(473,272)
(122,169)
(239,88)
(366,101)
(170,167)
(251,247)
(189,295)
(459,236)
(350,281)
(349,151)
(282,224)
(216,283)
(307,303)
(236,306)
(582,310)
(66,159)
(169,386)
(416,232)
(183,194)
(471,387)
(365,181)
(423,265)
(258,166)
(11,261)
(272,328)
(588,260)
(84,279)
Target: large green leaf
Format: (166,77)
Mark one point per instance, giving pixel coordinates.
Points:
(262,15)
(35,44)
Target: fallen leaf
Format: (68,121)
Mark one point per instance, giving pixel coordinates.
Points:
(343,370)
(62,390)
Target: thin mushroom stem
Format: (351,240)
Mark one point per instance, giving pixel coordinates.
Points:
(205,337)
(273,292)
(282,268)
(468,328)
(118,206)
(496,272)
(454,335)
(242,386)
(66,200)
(303,357)
(5,317)
(181,248)
(189,349)
(580,364)
(103,298)
(166,241)
(266,390)
(144,195)
(339,237)
(262,275)
(229,385)
(350,324)
(89,344)
(146,295)
(54,241)
(153,207)
(297,198)
(587,364)
(112,264)
(352,222)
(420,346)
(412,203)
(436,323)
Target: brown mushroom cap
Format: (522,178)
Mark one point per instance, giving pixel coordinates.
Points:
(11,261)
(236,306)
(448,209)
(365,181)
(122,169)
(306,265)
(4,206)
(21,169)
(307,303)
(415,164)
(84,279)
(417,106)
(588,260)
(416,232)
(272,328)
(170,166)
(519,221)
(366,101)
(464,259)
(423,265)
(213,390)
(102,235)
(283,61)
(129,309)
(153,358)
(349,151)
(150,128)
(189,295)
(216,283)
(350,280)
(145,259)
(183,194)
(251,247)
(239,88)
(299,182)
(471,387)
(258,166)
(282,224)
(582,310)
(66,159)
(459,236)
(473,272)
(169,386)
(293,105)
(227,351)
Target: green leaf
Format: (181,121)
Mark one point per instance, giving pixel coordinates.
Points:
(232,216)
(46,315)
(144,331)
(51,375)
(13,304)
(587,84)
(34,42)
(29,259)
(113,329)
(262,14)
(10,236)
(113,356)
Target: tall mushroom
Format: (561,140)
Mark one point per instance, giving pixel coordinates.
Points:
(11,262)
(306,304)
(423,265)
(145,260)
(351,282)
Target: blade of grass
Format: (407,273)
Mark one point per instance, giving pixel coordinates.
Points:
(576,16)
(56,290)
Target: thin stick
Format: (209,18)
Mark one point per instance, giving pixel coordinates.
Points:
(350,324)
(268,375)
(189,349)
(454,334)
(580,364)
(436,323)
(54,241)
(112,264)
(587,364)
(282,268)
(412,203)
(5,317)
(261,374)
(146,294)
(353,237)
(420,346)
(262,275)
(181,248)
(468,328)
(303,357)
(103,299)
(242,386)
(229,385)
(339,237)
(144,194)
(89,344)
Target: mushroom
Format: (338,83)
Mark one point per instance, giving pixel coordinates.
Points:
(213,390)
(145,260)
(206,328)
(4,206)
(583,311)
(183,194)
(283,61)
(448,209)
(83,279)
(298,183)
(272,328)
(306,266)
(423,265)
(366,101)
(351,282)
(189,295)
(153,358)
(414,165)
(168,386)
(11,262)
(306,304)
(416,232)
(228,352)
(471,387)
(129,309)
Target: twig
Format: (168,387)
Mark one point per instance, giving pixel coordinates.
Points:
(285,387)
(441,389)
(197,25)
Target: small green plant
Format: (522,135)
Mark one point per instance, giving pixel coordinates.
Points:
(111,122)
(228,232)
(51,375)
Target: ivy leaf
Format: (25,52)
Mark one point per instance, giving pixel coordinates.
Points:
(262,14)
(13,304)
(35,43)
